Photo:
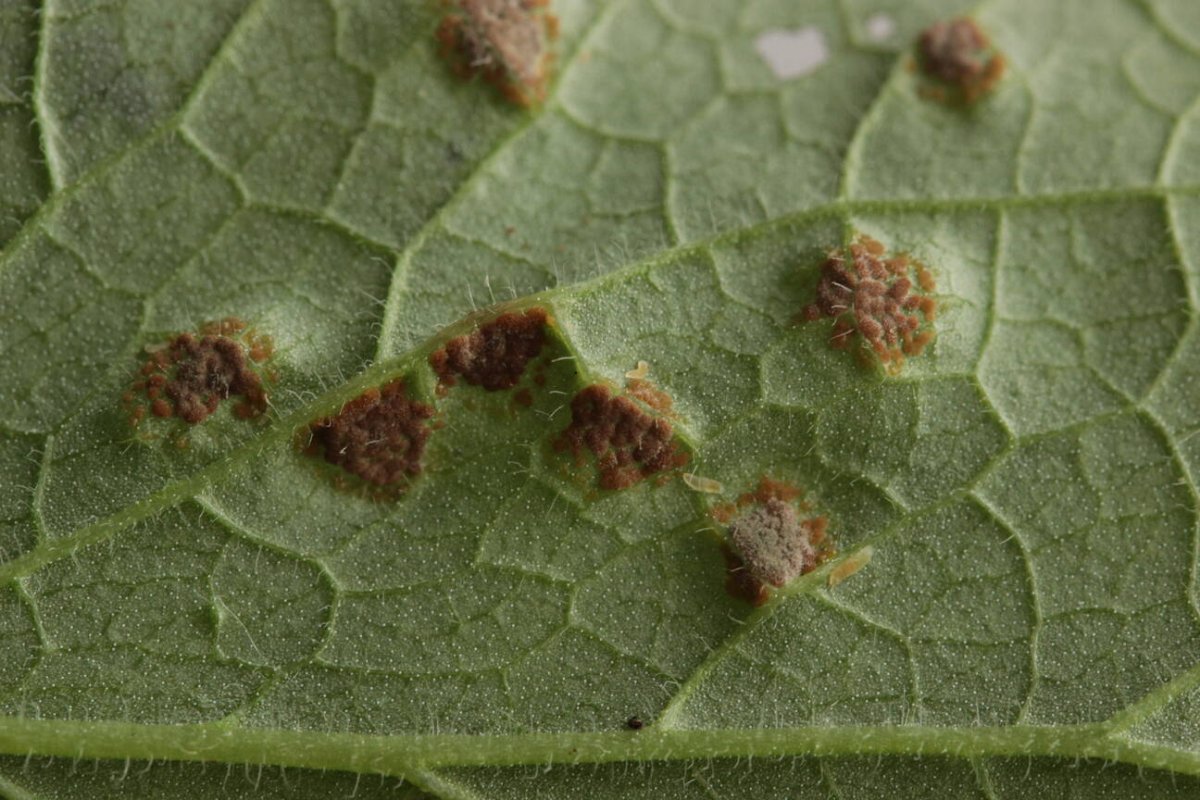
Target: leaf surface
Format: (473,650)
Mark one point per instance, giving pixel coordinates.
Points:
(1028,484)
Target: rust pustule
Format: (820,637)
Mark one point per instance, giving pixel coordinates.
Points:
(883,303)
(628,442)
(959,62)
(190,375)
(379,436)
(504,42)
(493,356)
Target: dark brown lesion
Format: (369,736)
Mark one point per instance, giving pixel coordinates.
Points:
(628,442)
(495,355)
(740,583)
(959,61)
(378,437)
(504,42)
(884,303)
(190,375)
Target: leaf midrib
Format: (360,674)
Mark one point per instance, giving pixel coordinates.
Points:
(403,754)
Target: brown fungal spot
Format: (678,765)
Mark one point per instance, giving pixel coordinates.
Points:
(505,42)
(925,279)
(651,395)
(379,436)
(191,374)
(639,386)
(740,582)
(723,513)
(770,489)
(629,443)
(874,299)
(495,355)
(959,61)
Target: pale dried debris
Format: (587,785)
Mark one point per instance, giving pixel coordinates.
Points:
(699,484)
(506,42)
(773,542)
(853,563)
(880,27)
(638,373)
(504,31)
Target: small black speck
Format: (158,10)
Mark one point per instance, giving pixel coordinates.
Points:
(634,723)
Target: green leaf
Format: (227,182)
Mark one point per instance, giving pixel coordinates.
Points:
(210,610)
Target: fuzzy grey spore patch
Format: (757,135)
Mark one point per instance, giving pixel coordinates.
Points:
(773,542)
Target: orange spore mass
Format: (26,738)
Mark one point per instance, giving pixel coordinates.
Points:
(873,300)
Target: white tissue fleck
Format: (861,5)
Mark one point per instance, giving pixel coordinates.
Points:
(791,54)
(880,27)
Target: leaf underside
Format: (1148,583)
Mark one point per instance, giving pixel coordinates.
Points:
(209,611)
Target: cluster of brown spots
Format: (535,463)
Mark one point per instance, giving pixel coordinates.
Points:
(874,297)
(629,444)
(506,42)
(495,355)
(651,395)
(768,489)
(189,376)
(379,436)
(770,541)
(638,385)
(959,57)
